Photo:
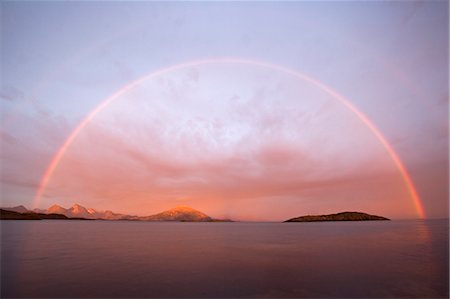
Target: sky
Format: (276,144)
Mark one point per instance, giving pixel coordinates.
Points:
(227,107)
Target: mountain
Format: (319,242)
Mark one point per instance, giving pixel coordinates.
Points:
(78,211)
(18,209)
(344,216)
(55,209)
(109,215)
(180,213)
(75,211)
(11,215)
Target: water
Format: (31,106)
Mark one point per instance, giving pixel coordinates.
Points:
(147,259)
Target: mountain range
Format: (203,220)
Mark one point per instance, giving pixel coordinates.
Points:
(180,213)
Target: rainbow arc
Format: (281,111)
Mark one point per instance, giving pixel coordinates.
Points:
(364,119)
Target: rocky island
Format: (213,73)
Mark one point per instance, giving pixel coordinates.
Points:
(344,216)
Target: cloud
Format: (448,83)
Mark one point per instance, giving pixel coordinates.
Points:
(7,138)
(29,138)
(10,179)
(11,93)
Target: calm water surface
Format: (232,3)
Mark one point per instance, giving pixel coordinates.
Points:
(147,259)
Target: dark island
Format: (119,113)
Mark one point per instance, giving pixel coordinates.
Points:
(344,216)
(11,215)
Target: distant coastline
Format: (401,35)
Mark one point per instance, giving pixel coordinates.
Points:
(77,212)
(177,214)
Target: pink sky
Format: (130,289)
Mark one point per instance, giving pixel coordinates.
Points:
(243,142)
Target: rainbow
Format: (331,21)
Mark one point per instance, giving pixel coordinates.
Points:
(73,135)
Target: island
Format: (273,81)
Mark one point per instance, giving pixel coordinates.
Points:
(343,216)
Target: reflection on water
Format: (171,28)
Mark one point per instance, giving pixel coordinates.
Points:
(143,259)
